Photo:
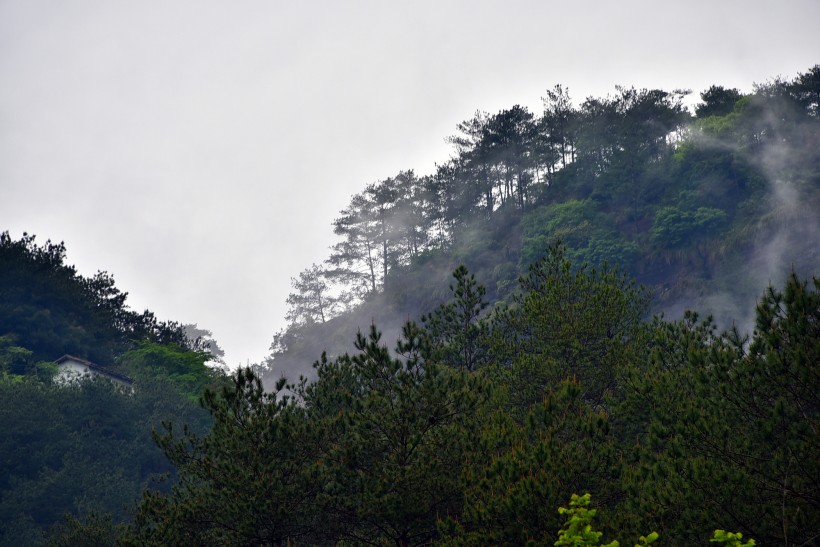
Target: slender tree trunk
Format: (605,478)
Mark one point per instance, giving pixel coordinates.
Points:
(371,265)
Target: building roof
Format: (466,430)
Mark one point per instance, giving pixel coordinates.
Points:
(96,368)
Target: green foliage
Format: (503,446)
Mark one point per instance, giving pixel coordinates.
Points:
(96,530)
(395,433)
(565,389)
(577,531)
(396,449)
(627,179)
(567,323)
(773,400)
(674,227)
(83,449)
(731,539)
(244,482)
(183,369)
(372,452)
(520,471)
(454,330)
(52,310)
(726,411)
(13,359)
(78,449)
(588,235)
(717,101)
(17,364)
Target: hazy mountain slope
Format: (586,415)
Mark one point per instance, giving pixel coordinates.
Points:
(705,210)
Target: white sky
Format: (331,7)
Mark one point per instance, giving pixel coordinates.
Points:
(199,150)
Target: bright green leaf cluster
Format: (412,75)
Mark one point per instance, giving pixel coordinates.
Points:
(731,539)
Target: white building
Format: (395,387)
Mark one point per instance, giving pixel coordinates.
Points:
(73,369)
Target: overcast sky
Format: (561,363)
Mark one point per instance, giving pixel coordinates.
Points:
(199,150)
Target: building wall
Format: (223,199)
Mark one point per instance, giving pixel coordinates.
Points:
(73,371)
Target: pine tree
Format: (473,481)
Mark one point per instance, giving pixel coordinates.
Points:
(455,331)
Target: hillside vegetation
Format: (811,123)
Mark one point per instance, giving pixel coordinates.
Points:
(703,208)
(530,371)
(85,448)
(474,432)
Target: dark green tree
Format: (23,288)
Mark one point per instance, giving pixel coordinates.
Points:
(82,449)
(455,332)
(770,398)
(519,472)
(52,310)
(559,124)
(805,88)
(508,139)
(249,481)
(95,530)
(717,410)
(476,173)
(568,321)
(184,370)
(394,437)
(717,101)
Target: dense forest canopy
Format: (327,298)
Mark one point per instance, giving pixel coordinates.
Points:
(86,447)
(703,209)
(675,429)
(48,307)
(522,282)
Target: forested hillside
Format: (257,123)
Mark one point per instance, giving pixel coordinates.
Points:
(83,448)
(494,353)
(475,432)
(705,208)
